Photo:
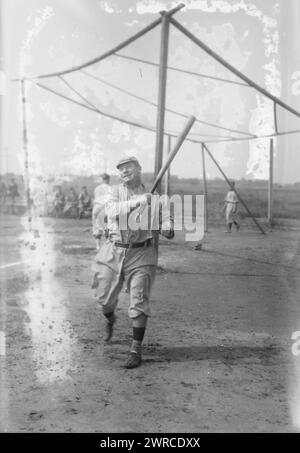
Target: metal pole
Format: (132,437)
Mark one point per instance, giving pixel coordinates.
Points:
(2,81)
(172,154)
(100,57)
(25,148)
(164,44)
(167,175)
(205,190)
(239,197)
(231,68)
(270,185)
(113,50)
(275,117)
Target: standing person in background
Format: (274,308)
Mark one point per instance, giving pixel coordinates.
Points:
(84,203)
(59,202)
(71,206)
(13,193)
(230,207)
(98,216)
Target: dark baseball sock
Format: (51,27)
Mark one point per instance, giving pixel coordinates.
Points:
(136,345)
(138,333)
(110,316)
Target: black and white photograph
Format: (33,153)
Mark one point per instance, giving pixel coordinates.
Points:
(149,219)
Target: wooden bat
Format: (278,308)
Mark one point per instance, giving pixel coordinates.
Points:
(174,151)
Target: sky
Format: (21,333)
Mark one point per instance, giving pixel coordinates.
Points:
(258,37)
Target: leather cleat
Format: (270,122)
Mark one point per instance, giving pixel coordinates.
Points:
(134,360)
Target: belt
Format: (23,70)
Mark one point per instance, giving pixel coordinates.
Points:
(147,243)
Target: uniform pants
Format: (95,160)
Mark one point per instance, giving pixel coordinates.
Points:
(139,280)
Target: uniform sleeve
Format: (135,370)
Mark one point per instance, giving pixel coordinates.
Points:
(115,208)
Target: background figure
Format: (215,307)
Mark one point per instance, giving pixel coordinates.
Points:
(84,203)
(230,207)
(98,217)
(71,206)
(3,193)
(59,202)
(13,193)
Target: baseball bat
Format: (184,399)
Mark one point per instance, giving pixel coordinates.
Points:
(172,154)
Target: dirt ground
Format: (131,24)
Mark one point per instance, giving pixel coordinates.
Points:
(218,349)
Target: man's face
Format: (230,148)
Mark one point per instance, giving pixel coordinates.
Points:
(129,172)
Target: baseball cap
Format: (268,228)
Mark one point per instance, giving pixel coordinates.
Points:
(126,160)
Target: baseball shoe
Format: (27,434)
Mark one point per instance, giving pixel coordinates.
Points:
(109,328)
(134,360)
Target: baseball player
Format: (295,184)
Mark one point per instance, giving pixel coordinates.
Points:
(230,206)
(128,256)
